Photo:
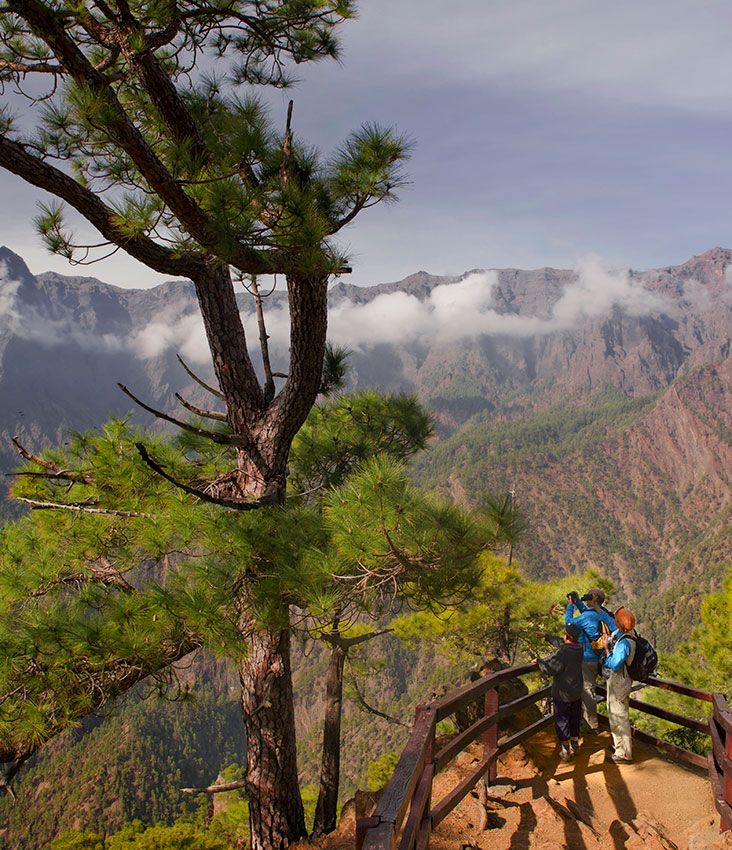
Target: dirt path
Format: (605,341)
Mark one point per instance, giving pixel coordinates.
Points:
(587,804)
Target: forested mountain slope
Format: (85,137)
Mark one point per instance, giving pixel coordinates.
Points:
(604,398)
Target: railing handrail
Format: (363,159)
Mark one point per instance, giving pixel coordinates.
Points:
(408,793)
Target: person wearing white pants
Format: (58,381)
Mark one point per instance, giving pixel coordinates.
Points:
(619,686)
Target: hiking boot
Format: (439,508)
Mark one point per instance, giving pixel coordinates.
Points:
(574,746)
(615,759)
(565,751)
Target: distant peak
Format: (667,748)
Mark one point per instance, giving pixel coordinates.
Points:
(15,267)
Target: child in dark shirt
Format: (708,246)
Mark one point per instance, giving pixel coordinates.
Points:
(566,668)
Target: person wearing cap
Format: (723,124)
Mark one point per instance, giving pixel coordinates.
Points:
(620,653)
(589,618)
(566,668)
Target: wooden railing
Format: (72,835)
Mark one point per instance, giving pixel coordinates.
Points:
(720,759)
(406,814)
(677,752)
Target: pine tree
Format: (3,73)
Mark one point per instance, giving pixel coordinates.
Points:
(133,573)
(183,170)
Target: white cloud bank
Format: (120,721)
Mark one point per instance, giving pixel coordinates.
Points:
(467,309)
(451,311)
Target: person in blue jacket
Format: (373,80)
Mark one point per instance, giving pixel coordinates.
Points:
(589,617)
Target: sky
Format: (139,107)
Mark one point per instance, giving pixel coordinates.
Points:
(545,131)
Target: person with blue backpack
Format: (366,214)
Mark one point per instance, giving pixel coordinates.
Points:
(621,648)
(593,621)
(630,658)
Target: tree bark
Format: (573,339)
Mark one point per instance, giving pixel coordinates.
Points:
(275,805)
(326,811)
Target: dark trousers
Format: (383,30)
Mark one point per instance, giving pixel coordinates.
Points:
(567,718)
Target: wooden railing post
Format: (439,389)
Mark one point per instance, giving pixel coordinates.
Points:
(490,736)
(362,826)
(727,778)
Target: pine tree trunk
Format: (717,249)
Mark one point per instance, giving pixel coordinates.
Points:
(275,805)
(326,811)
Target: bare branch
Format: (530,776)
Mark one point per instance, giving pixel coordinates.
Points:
(102,573)
(346,643)
(268,500)
(54,470)
(199,411)
(269,385)
(362,702)
(216,789)
(221,439)
(286,165)
(80,507)
(201,383)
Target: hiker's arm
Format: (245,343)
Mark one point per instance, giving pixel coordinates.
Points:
(552,665)
(569,614)
(619,655)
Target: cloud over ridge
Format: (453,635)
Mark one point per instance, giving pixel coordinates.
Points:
(462,309)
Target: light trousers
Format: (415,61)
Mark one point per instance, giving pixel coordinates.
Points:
(590,669)
(618,705)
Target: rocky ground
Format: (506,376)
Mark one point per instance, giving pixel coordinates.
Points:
(539,803)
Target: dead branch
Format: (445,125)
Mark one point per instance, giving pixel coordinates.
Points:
(216,789)
(54,470)
(345,643)
(207,414)
(221,439)
(269,385)
(80,507)
(286,165)
(103,574)
(362,702)
(200,494)
(198,380)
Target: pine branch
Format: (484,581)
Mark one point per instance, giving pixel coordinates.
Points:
(50,28)
(200,494)
(198,380)
(54,470)
(15,157)
(115,678)
(221,439)
(17,761)
(199,411)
